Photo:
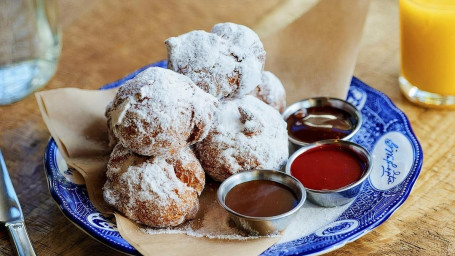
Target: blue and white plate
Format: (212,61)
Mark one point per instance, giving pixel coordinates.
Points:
(385,133)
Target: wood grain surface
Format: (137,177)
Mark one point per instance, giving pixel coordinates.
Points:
(105,39)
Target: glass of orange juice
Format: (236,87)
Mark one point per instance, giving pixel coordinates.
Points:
(428,51)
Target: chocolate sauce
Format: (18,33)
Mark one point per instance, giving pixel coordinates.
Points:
(320,123)
(260,198)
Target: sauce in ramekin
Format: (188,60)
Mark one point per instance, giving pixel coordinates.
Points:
(328,167)
(260,198)
(320,123)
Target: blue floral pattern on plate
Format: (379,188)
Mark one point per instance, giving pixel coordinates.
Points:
(385,132)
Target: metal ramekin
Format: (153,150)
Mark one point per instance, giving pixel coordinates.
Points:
(262,225)
(322,102)
(341,196)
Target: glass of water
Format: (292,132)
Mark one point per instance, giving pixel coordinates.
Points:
(29,46)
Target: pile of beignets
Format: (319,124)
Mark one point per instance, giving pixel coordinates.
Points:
(214,111)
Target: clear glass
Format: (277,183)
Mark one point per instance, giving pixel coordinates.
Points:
(427,33)
(29,46)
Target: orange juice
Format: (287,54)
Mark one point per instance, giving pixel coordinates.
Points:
(428,50)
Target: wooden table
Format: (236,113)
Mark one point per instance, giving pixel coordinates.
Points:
(104,40)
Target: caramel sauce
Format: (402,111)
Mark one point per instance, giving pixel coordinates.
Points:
(260,198)
(320,123)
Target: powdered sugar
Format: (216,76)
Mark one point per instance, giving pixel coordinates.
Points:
(188,169)
(212,221)
(221,64)
(159,110)
(247,134)
(146,189)
(271,91)
(311,218)
(243,38)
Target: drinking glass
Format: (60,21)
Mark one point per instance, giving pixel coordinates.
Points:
(29,46)
(427,33)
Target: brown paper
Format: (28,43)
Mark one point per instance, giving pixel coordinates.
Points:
(177,244)
(76,121)
(181,244)
(313,56)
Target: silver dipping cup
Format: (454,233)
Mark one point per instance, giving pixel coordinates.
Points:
(295,144)
(262,225)
(341,196)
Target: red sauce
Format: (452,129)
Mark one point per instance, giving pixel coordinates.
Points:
(320,123)
(328,167)
(260,198)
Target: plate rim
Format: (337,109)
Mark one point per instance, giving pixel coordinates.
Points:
(415,168)
(50,178)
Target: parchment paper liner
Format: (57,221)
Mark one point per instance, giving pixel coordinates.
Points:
(321,64)
(76,121)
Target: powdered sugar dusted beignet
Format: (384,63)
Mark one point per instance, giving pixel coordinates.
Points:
(225,63)
(146,190)
(271,91)
(159,112)
(247,134)
(241,37)
(188,169)
(110,133)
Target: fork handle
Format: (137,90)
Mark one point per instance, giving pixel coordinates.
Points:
(20,239)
